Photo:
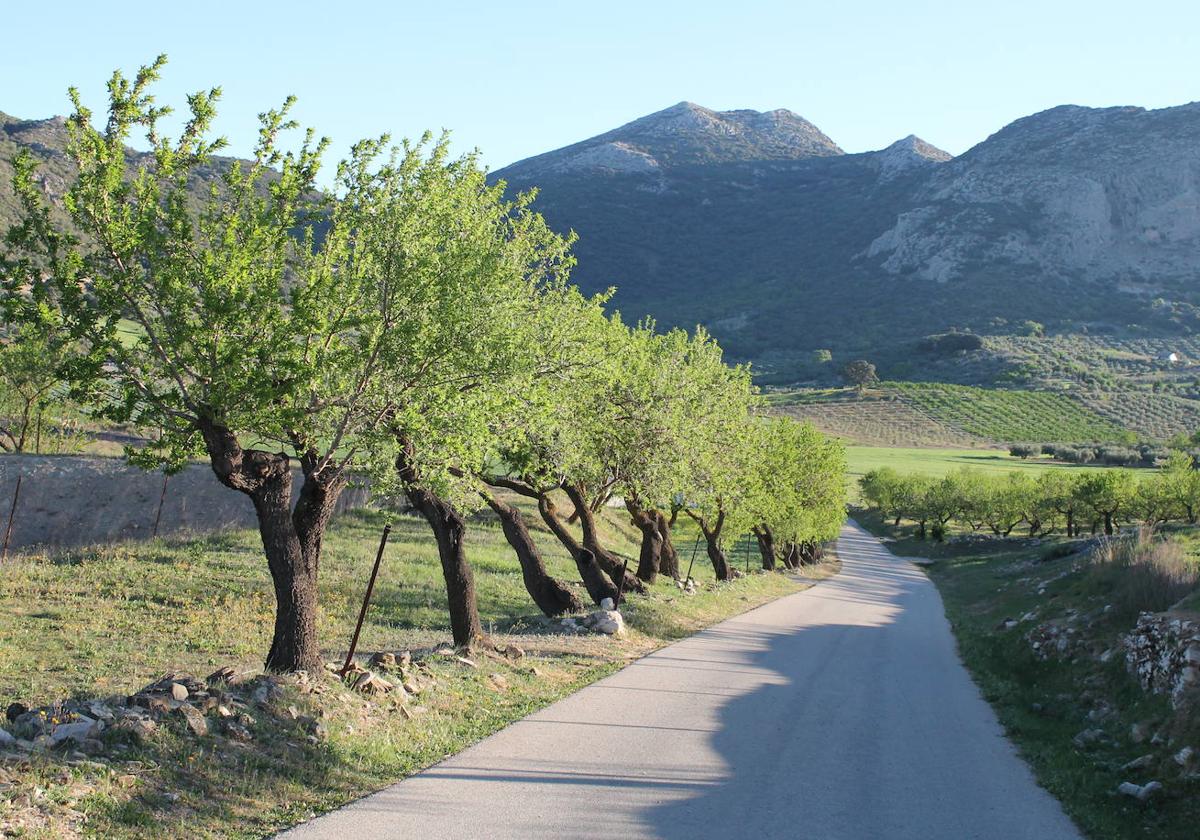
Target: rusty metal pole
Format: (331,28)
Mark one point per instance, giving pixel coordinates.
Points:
(362,614)
(12,512)
(162,497)
(695,548)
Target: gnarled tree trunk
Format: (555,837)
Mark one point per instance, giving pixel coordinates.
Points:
(712,544)
(668,560)
(766,546)
(608,561)
(551,596)
(291,539)
(449,529)
(597,583)
(652,542)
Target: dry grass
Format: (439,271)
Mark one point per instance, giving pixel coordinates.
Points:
(1145,573)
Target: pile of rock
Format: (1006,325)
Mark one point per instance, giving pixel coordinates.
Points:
(1054,639)
(221,705)
(1163,652)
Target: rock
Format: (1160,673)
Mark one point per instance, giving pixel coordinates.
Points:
(608,622)
(1007,624)
(499,681)
(1139,733)
(462,660)
(226,675)
(140,727)
(1185,756)
(1139,763)
(383,661)
(1088,737)
(15,710)
(179,692)
(606,604)
(79,731)
(1107,656)
(370,683)
(238,731)
(514,652)
(1141,793)
(6,739)
(196,722)
(224,711)
(318,733)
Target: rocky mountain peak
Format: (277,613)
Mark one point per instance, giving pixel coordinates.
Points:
(685,134)
(909,152)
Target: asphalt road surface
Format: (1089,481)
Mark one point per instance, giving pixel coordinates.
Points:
(838,712)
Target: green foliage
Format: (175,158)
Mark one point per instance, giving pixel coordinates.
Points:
(1054,499)
(860,373)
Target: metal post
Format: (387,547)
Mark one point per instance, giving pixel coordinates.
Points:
(695,548)
(362,614)
(162,497)
(747,554)
(12,511)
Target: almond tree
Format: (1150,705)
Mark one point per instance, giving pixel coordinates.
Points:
(227,324)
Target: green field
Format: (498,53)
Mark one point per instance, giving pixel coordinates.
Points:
(862,459)
(1025,416)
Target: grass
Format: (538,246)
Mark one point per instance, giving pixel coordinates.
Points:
(1044,703)
(939,462)
(109,620)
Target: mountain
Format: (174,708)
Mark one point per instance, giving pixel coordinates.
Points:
(758,225)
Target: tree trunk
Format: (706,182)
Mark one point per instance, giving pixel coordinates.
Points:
(652,542)
(668,561)
(551,596)
(591,541)
(1108,524)
(788,556)
(267,479)
(598,584)
(1070,524)
(712,541)
(766,546)
(450,530)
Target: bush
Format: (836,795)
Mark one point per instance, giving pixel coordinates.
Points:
(1024,450)
(945,344)
(1144,573)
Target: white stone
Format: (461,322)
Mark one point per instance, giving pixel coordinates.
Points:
(1184,757)
(79,730)
(6,740)
(606,604)
(1139,792)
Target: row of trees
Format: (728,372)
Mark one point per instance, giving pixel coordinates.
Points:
(1075,502)
(412,324)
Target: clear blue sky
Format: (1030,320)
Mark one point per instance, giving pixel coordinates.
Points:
(518,78)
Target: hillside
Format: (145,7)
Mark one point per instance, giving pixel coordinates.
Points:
(1081,220)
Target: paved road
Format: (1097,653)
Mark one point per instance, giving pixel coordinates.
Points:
(838,712)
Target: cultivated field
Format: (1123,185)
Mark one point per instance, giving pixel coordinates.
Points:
(876,418)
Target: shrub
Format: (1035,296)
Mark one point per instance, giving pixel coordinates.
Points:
(948,343)
(1024,450)
(1144,573)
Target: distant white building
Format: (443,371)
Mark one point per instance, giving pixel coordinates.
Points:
(1170,357)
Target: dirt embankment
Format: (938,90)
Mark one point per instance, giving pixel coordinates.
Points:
(71,501)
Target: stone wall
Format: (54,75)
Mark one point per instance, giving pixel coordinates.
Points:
(77,500)
(1163,652)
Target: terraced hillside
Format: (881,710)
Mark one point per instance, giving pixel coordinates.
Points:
(874,419)
(1159,416)
(1010,416)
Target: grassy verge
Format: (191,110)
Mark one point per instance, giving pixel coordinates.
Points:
(105,622)
(1045,704)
